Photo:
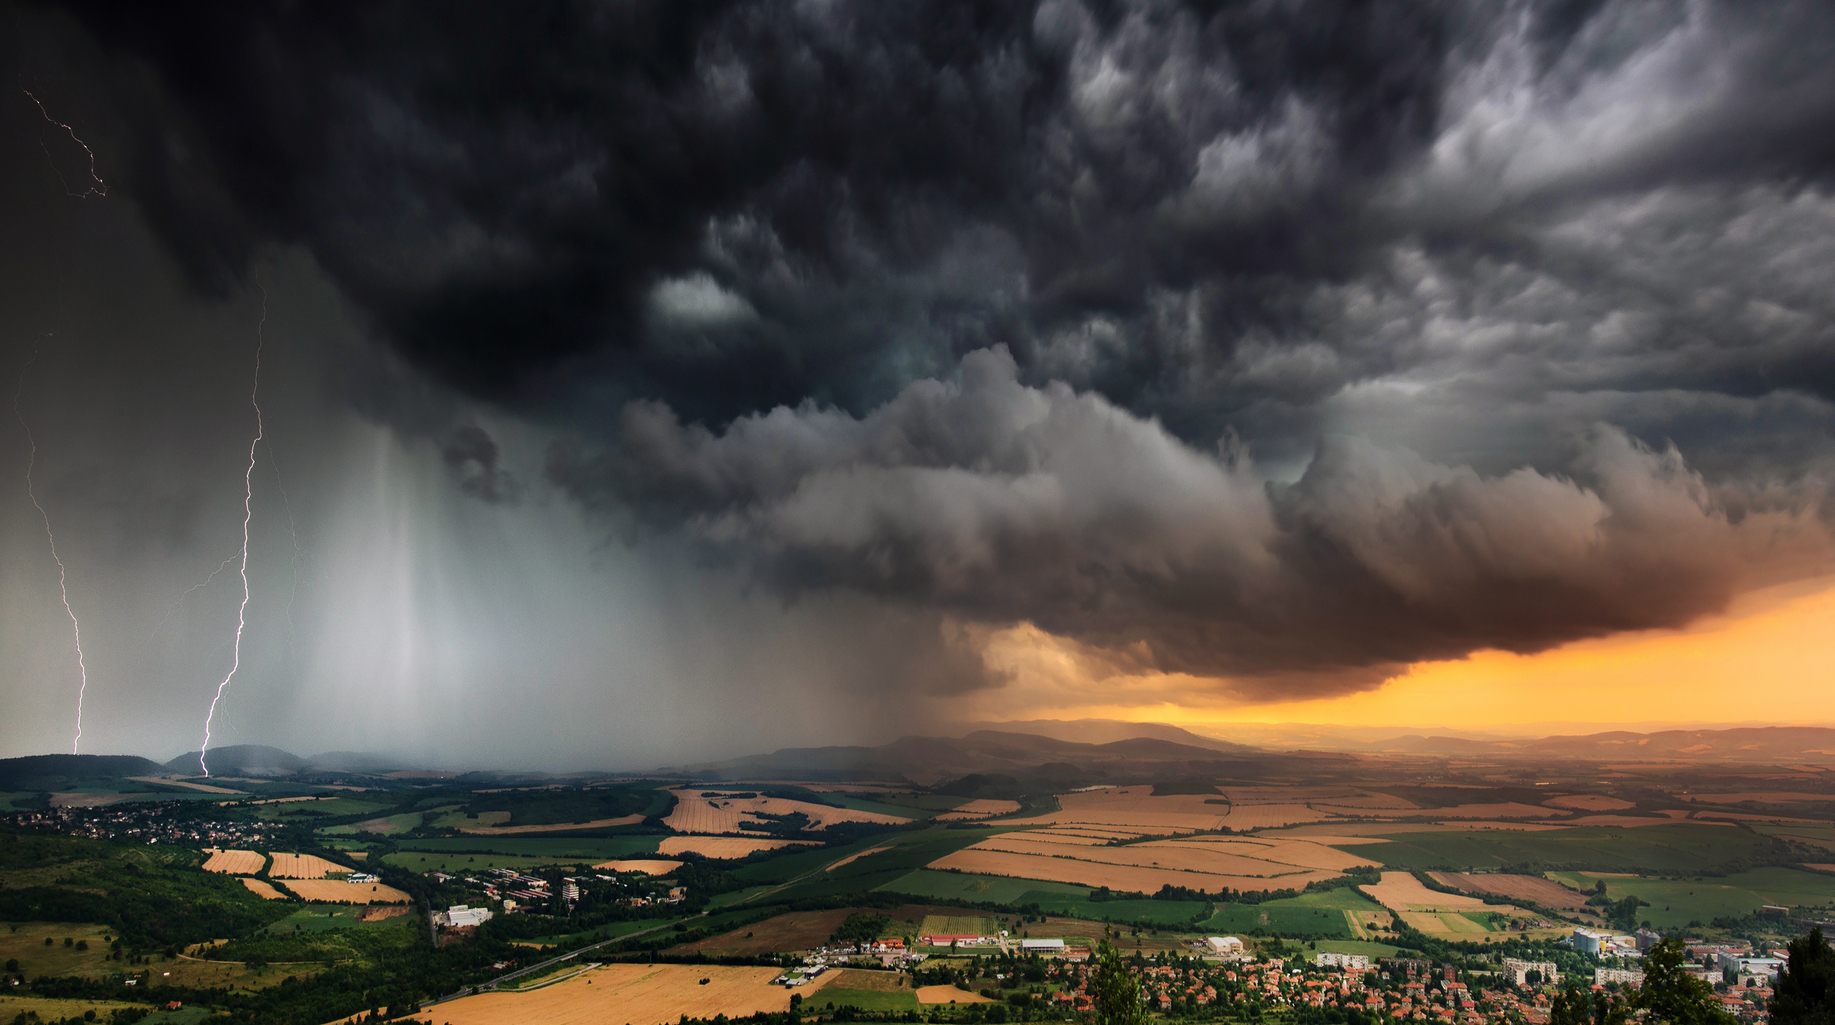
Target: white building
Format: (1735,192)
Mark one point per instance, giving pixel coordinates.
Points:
(460,916)
(1043,946)
(1733,964)
(1349,962)
(1224,945)
(1622,976)
(1519,970)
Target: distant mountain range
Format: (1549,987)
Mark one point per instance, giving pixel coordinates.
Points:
(1810,744)
(1033,754)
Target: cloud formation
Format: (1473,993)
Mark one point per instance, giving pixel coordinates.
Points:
(1005,503)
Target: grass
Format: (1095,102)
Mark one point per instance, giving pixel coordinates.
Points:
(723,899)
(26,942)
(325,917)
(609,931)
(459,864)
(57,1009)
(857,803)
(926,882)
(1288,921)
(1682,847)
(182,1016)
(1676,902)
(556,849)
(862,999)
(324,807)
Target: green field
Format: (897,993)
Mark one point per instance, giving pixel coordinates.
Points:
(1676,902)
(324,918)
(458,864)
(926,882)
(328,807)
(1678,848)
(862,999)
(903,853)
(1364,947)
(1288,921)
(557,849)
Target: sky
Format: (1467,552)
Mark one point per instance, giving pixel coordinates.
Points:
(647,383)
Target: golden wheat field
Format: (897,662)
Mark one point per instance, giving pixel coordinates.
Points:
(336,891)
(647,867)
(722,846)
(1401,891)
(236,863)
(260,888)
(303,866)
(631,993)
(715,812)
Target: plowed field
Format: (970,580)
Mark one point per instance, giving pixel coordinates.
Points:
(1117,877)
(1529,889)
(236,863)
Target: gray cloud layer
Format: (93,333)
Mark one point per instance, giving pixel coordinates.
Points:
(975,309)
(1004,503)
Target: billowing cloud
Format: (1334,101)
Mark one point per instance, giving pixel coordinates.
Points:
(1006,503)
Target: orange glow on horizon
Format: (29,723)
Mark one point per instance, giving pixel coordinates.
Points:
(1768,658)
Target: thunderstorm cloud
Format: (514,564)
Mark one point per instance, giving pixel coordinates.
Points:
(1281,343)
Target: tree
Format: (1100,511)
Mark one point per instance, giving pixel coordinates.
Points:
(1118,992)
(1570,1007)
(1670,994)
(1805,991)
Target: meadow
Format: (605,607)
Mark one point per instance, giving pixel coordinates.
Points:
(1674,848)
(1675,903)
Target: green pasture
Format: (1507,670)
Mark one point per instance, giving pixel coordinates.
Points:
(324,918)
(1364,947)
(460,864)
(327,807)
(926,882)
(1683,847)
(858,803)
(862,999)
(1275,918)
(1676,902)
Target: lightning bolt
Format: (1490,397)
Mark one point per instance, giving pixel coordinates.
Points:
(63,587)
(248,514)
(179,606)
(100,188)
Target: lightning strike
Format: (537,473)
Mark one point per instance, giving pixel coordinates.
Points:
(248,514)
(63,586)
(179,606)
(100,188)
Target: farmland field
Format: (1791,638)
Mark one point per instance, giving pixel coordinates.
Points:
(979,809)
(722,847)
(1529,889)
(635,993)
(1677,902)
(711,811)
(556,850)
(459,864)
(339,892)
(239,863)
(647,867)
(1676,847)
(303,866)
(263,889)
(868,991)
(1401,891)
(1126,877)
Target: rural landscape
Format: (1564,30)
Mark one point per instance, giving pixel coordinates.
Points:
(1233,883)
(962,512)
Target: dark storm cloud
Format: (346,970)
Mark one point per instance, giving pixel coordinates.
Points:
(1480,234)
